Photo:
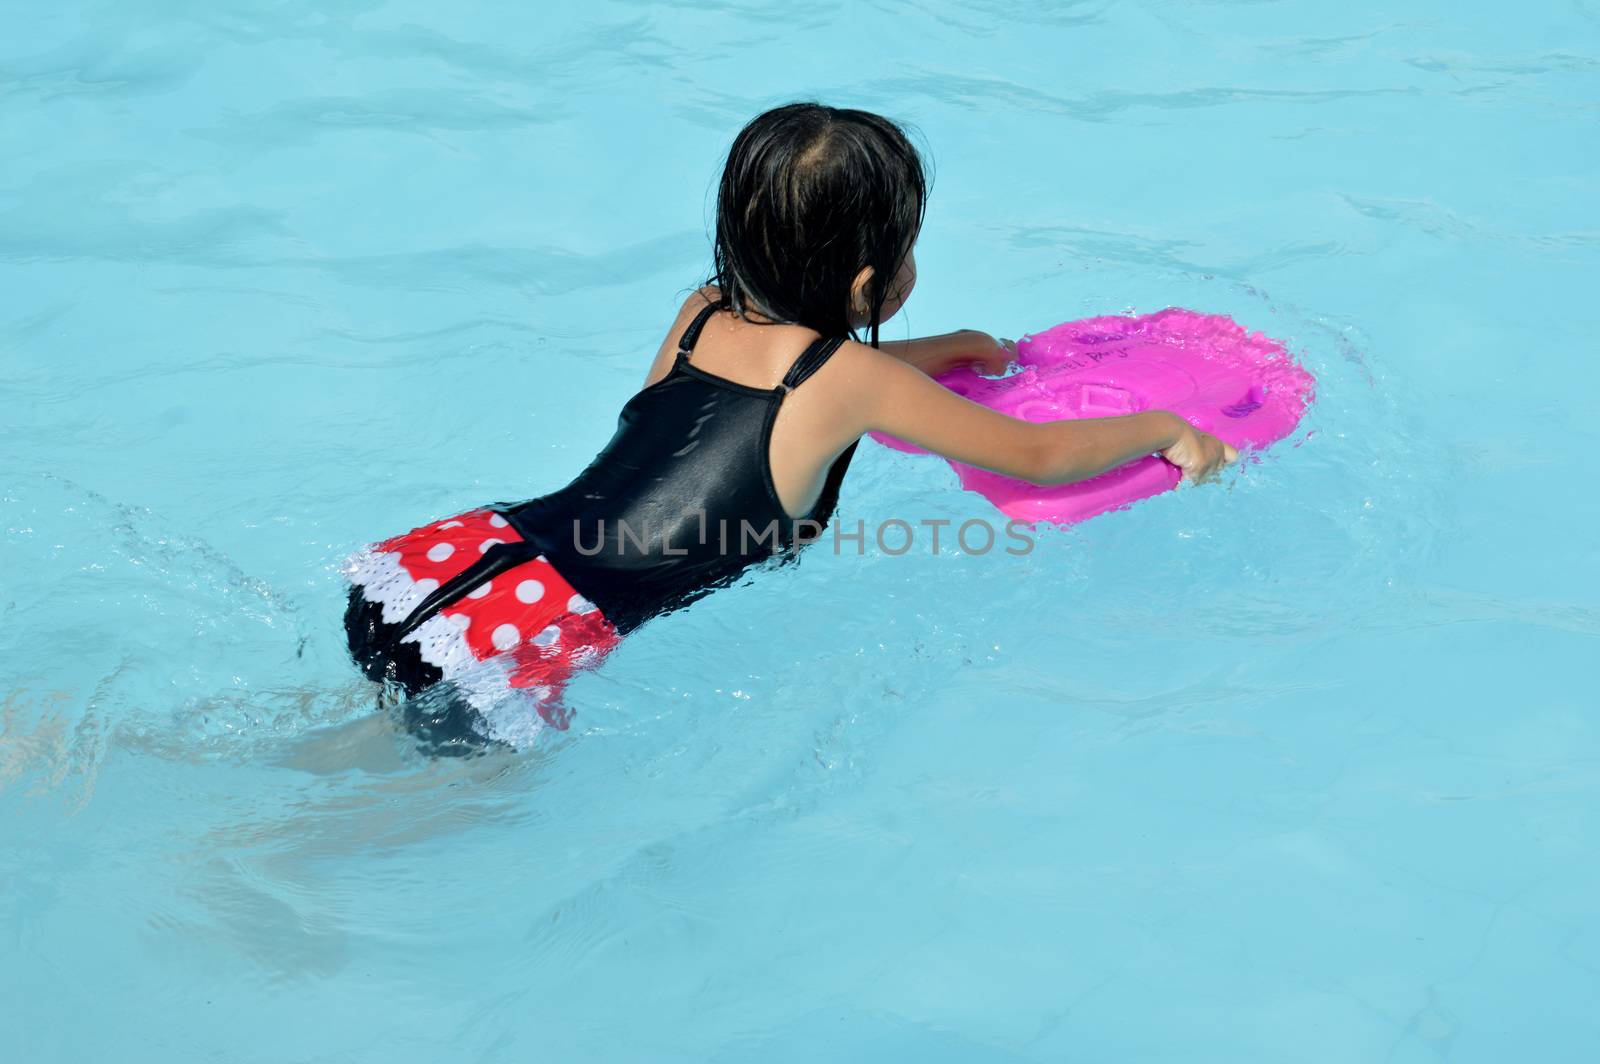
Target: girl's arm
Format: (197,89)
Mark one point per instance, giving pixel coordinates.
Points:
(934,355)
(891,397)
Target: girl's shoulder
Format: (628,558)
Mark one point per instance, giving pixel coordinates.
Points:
(667,352)
(698,300)
(694,303)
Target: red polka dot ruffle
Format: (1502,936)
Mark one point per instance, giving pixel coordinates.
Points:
(528,616)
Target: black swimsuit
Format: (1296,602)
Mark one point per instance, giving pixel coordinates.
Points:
(680,502)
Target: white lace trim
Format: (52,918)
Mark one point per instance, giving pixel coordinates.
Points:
(383,580)
(442,643)
(510,713)
(484,684)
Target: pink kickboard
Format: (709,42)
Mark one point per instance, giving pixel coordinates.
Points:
(1237,385)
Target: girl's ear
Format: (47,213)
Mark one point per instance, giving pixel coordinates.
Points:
(860,301)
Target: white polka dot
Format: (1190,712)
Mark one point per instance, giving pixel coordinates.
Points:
(546,637)
(450,524)
(440,551)
(585,655)
(497,521)
(579,604)
(505,637)
(481,590)
(530,591)
(427,585)
(486,544)
(460,620)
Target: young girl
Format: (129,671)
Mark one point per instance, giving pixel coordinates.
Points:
(733,451)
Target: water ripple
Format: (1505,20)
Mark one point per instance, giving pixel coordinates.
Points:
(415,112)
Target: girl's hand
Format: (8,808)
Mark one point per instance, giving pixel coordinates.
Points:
(1199,454)
(988,355)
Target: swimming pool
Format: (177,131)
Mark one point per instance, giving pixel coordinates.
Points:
(1299,768)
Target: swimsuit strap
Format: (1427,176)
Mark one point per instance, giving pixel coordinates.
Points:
(692,333)
(811,359)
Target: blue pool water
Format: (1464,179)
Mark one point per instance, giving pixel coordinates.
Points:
(1304,767)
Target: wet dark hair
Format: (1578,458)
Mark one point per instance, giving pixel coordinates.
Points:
(811,194)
